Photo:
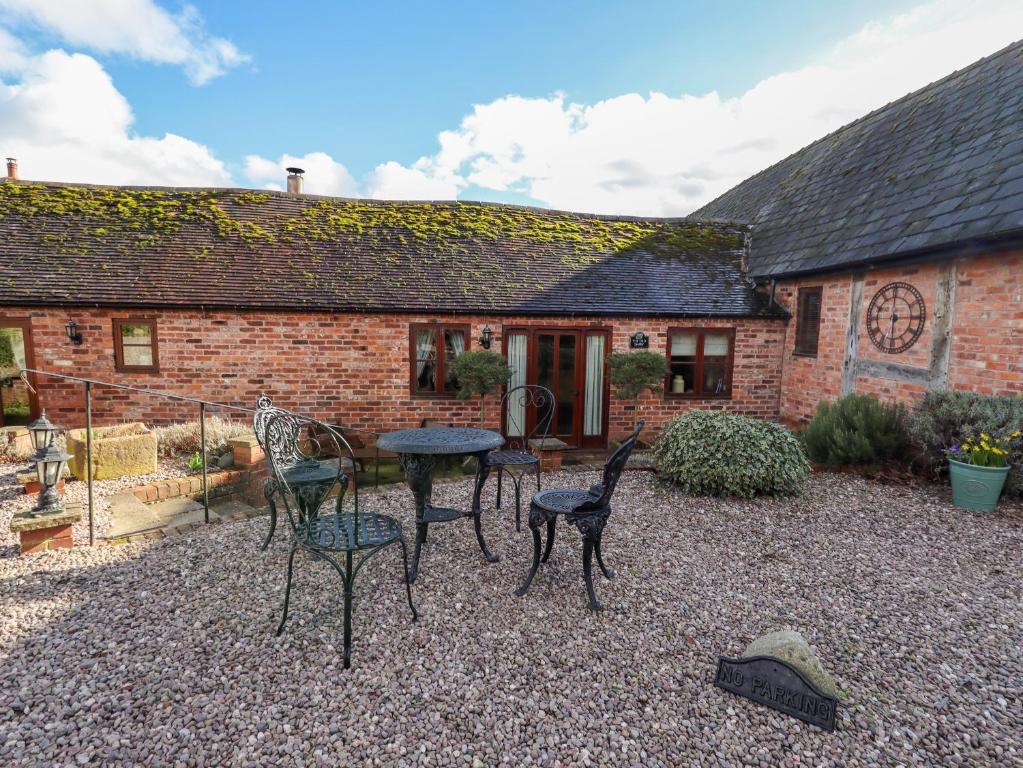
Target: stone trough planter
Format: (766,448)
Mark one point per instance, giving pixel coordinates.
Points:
(124,450)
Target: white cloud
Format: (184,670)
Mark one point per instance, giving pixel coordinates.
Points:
(136,28)
(665,155)
(653,154)
(324,175)
(66,121)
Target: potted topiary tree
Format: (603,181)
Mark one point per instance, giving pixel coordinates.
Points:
(632,372)
(977,469)
(479,372)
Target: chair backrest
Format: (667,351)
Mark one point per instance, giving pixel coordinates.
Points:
(296,446)
(613,471)
(515,407)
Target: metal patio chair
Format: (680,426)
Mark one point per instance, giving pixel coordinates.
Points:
(586,510)
(266,410)
(516,458)
(328,529)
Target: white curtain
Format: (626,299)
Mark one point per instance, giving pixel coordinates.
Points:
(516,416)
(424,346)
(683,345)
(457,342)
(715,345)
(593,414)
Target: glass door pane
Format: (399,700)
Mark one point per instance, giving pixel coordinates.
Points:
(593,419)
(515,417)
(566,392)
(15,404)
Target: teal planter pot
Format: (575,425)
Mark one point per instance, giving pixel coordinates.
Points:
(976,488)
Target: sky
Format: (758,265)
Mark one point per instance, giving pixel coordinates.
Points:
(646,108)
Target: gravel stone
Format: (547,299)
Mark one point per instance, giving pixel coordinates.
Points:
(162,653)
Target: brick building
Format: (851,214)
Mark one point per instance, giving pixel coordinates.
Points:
(352,309)
(886,257)
(896,243)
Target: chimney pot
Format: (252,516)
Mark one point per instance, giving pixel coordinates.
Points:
(295,180)
(12,168)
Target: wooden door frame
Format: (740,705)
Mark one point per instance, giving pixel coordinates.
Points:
(25,324)
(581,332)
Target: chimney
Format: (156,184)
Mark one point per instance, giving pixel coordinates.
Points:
(295,180)
(12,168)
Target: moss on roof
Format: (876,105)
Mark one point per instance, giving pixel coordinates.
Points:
(146,216)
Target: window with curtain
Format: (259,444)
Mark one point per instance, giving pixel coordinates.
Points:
(515,418)
(700,362)
(593,407)
(808,320)
(431,348)
(135,346)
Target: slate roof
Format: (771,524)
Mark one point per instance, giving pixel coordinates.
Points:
(171,247)
(941,166)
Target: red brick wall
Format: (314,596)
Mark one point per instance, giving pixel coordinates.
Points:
(987,333)
(351,368)
(808,380)
(987,339)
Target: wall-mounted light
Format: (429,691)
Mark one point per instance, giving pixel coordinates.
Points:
(487,337)
(72,332)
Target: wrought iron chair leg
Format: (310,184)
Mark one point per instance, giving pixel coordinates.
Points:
(536,563)
(588,574)
(287,589)
(408,582)
(518,502)
(348,587)
(500,474)
(538,476)
(268,495)
(273,527)
(608,572)
(550,539)
(420,538)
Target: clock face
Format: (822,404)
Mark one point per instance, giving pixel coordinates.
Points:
(895,317)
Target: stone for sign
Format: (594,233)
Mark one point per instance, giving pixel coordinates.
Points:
(776,684)
(790,646)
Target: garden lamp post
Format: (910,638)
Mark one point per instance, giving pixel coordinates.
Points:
(50,462)
(42,432)
(49,468)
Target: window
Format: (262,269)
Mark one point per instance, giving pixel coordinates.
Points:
(808,321)
(432,347)
(135,346)
(700,362)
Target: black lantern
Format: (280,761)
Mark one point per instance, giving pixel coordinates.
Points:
(42,432)
(487,337)
(72,332)
(50,466)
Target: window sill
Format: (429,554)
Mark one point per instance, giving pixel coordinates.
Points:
(804,354)
(696,396)
(129,369)
(433,395)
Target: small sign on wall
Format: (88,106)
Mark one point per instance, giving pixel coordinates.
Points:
(639,340)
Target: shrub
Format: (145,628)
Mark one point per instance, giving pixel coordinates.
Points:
(714,453)
(946,418)
(177,439)
(632,372)
(857,430)
(479,372)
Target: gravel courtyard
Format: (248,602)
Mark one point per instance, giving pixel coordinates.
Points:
(163,653)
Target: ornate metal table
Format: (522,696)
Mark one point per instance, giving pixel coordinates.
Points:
(417,451)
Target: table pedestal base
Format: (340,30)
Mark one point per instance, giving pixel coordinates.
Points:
(419,469)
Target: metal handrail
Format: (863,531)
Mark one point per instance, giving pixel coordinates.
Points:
(88,383)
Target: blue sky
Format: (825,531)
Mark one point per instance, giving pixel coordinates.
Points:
(640,107)
(369,82)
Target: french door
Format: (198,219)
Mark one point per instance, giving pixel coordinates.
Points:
(18,404)
(571,363)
